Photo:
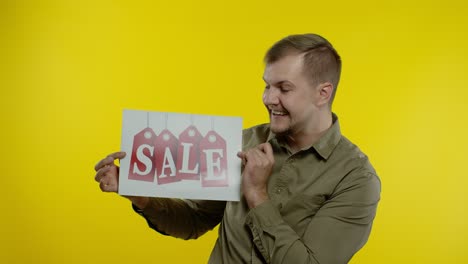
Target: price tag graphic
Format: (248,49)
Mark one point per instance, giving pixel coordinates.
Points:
(189,154)
(166,155)
(213,169)
(142,162)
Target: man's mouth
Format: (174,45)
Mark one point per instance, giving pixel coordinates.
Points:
(278,113)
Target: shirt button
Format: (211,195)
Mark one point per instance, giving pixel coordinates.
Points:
(278,191)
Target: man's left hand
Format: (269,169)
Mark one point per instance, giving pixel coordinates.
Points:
(258,165)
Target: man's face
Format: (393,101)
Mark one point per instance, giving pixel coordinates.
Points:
(289,96)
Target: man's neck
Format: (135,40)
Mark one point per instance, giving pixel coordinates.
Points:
(310,136)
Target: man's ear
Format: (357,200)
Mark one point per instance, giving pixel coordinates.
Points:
(325,92)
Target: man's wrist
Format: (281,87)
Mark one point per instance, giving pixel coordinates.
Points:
(256,198)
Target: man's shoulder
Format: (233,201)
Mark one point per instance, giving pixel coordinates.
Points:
(255,135)
(352,158)
(352,168)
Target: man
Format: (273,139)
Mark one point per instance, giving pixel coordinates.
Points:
(309,194)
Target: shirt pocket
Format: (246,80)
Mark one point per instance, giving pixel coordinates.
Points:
(300,209)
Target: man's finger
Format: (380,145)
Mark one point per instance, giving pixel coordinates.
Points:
(118,155)
(242,156)
(104,162)
(269,151)
(104,186)
(100,173)
(109,159)
(255,156)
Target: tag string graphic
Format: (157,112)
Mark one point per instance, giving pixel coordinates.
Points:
(147,119)
(165,120)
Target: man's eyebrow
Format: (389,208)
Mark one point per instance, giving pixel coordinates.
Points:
(286,82)
(280,82)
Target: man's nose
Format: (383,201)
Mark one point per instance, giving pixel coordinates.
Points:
(270,97)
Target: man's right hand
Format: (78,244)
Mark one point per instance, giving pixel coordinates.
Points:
(107,173)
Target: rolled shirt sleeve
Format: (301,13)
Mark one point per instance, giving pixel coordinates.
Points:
(186,219)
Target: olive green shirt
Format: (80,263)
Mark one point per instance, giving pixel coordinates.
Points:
(323,200)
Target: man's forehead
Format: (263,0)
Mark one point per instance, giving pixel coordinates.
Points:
(283,69)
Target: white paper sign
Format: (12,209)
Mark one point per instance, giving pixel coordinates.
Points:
(180,156)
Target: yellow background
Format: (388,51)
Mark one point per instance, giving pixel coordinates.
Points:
(68,68)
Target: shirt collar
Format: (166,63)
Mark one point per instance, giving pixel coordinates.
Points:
(325,145)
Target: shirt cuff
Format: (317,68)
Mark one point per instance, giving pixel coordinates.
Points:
(263,219)
(265,216)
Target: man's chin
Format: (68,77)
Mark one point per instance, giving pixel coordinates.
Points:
(279,131)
